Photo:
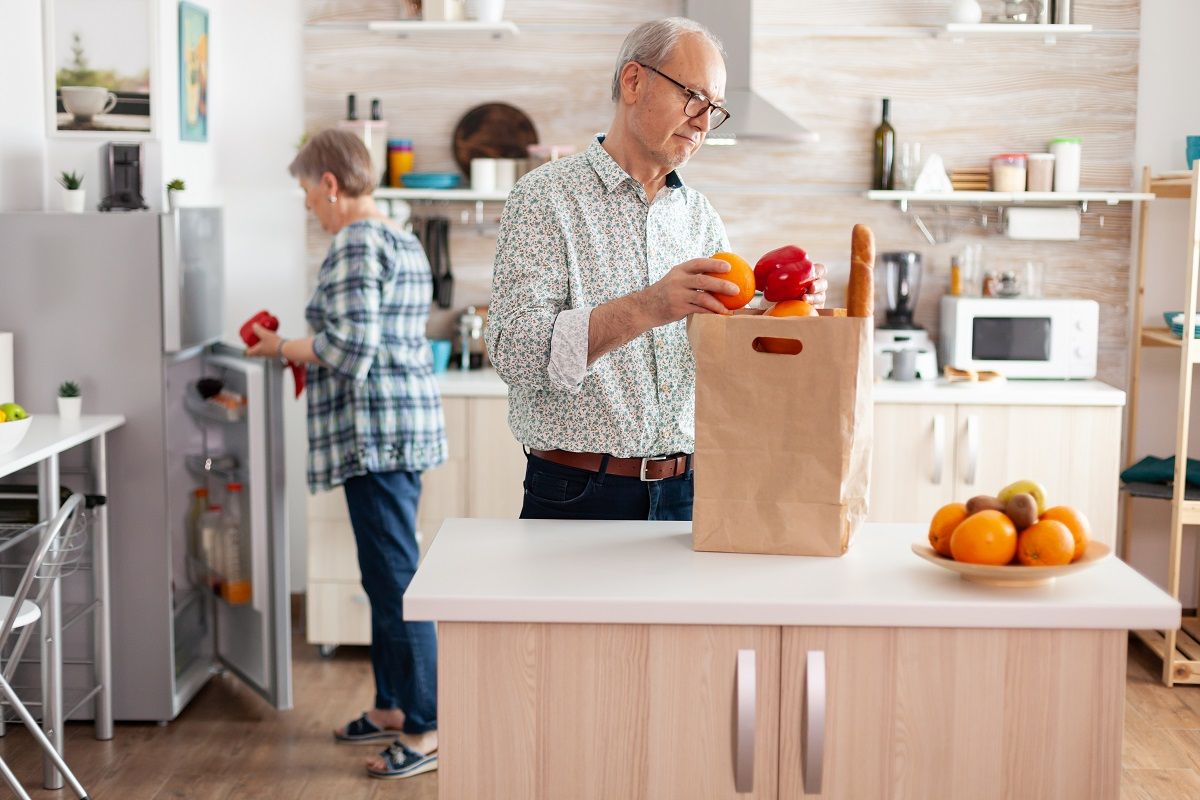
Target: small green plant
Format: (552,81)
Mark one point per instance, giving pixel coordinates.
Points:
(69,389)
(70,180)
(177,185)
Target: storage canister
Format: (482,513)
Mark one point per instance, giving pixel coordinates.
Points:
(400,160)
(1008,172)
(1068,151)
(1040,168)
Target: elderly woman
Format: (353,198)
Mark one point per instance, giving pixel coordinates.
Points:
(374,423)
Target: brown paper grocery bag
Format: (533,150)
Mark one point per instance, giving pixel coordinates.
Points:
(783,442)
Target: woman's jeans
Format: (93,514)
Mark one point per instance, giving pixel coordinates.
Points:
(383,511)
(554,491)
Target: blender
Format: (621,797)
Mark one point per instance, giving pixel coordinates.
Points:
(903,349)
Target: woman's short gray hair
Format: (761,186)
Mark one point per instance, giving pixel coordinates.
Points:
(340,152)
(651,43)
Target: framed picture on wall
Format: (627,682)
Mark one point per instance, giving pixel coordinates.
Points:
(100,67)
(193,72)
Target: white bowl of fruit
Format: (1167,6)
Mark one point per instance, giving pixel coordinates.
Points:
(14,424)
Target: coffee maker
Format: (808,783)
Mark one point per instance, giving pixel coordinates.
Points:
(903,349)
(124,172)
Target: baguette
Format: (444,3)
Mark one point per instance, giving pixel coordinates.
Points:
(860,294)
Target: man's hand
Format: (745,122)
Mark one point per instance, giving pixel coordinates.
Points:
(686,289)
(816,294)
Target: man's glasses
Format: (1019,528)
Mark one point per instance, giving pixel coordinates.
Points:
(697,103)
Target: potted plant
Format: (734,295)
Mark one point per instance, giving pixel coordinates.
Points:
(70,401)
(73,193)
(173,189)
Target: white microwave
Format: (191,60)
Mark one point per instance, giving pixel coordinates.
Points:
(1021,338)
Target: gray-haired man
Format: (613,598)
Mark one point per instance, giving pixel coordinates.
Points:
(601,257)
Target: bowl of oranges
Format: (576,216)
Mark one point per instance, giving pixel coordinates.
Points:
(1011,539)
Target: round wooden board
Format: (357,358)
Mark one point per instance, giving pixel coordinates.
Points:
(1013,575)
(492,130)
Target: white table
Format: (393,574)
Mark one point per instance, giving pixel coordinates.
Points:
(48,437)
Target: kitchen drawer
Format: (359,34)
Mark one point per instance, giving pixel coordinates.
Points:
(332,553)
(338,613)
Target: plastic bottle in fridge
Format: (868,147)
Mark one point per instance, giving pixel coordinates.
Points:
(210,540)
(236,589)
(195,511)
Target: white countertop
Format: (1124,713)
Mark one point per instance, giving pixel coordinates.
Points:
(647,573)
(486,383)
(48,435)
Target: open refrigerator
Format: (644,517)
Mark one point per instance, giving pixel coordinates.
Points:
(130,305)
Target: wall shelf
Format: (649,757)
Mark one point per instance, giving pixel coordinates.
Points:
(405,28)
(444,195)
(1049,33)
(904,198)
(1176,186)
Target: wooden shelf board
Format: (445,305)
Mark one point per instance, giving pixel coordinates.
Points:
(1157,491)
(1171,188)
(1014,29)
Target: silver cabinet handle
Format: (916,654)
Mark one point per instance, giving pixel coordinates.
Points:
(813,747)
(743,763)
(972,449)
(939,448)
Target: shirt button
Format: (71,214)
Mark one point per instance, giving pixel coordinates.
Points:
(666,389)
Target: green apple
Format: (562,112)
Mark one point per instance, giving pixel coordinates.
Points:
(13,412)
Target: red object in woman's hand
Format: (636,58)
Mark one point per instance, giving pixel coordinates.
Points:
(264,318)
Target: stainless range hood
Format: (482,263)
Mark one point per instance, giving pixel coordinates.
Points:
(752,118)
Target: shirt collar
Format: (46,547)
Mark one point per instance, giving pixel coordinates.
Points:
(610,172)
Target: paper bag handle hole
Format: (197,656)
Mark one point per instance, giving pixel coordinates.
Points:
(777,346)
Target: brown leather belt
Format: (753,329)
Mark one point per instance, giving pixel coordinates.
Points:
(648,469)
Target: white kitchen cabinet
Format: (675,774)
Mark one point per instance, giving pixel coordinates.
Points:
(482,477)
(1072,450)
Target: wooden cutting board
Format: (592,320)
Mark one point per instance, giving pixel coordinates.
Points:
(492,130)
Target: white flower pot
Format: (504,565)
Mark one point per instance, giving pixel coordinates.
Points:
(73,200)
(173,199)
(69,408)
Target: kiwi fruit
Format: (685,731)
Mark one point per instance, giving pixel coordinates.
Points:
(1022,510)
(984,502)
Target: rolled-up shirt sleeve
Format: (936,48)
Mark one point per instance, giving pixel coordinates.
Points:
(349,339)
(529,293)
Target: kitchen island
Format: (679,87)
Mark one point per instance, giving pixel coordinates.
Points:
(609,660)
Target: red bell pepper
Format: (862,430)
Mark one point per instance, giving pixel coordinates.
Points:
(271,323)
(785,273)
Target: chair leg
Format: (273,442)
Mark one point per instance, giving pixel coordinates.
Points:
(40,737)
(12,781)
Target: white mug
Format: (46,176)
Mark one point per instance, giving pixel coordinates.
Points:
(85,102)
(506,174)
(483,174)
(486,10)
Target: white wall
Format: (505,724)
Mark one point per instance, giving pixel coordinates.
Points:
(255,119)
(1167,113)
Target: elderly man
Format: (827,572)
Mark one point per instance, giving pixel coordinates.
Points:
(601,257)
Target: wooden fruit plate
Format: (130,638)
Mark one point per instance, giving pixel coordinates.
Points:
(1010,575)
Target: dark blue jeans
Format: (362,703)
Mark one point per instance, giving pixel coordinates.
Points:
(553,491)
(383,512)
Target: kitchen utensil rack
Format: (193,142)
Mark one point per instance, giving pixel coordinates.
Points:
(1179,650)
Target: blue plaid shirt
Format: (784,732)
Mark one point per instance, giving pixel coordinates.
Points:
(373,402)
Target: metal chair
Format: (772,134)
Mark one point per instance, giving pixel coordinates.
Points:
(61,543)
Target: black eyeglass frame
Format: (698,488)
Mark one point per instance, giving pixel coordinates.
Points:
(706,105)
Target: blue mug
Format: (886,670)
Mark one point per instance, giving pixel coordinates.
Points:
(441,354)
(1193,150)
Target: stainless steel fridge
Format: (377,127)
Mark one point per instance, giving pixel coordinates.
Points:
(130,306)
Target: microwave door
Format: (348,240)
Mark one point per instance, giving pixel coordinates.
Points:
(193,278)
(1024,339)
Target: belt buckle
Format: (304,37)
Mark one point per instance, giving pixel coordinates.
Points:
(647,460)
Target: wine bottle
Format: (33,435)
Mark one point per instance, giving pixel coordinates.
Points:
(376,109)
(351,110)
(885,152)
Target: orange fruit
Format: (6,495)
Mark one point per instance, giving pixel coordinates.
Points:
(791,308)
(1047,543)
(985,537)
(1076,523)
(944,522)
(741,274)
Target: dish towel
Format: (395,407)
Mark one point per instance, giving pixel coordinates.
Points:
(1152,469)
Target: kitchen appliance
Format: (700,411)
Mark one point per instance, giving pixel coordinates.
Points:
(124,176)
(902,281)
(1021,337)
(131,305)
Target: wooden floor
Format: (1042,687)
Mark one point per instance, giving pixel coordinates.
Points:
(229,744)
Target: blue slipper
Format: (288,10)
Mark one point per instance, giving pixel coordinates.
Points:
(363,730)
(404,762)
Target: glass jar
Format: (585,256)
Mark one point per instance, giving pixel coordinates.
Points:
(1068,153)
(1008,173)
(400,161)
(1040,172)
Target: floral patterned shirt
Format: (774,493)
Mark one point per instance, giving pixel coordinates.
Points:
(576,233)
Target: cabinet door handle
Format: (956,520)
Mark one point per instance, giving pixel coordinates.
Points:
(939,448)
(813,745)
(972,449)
(743,762)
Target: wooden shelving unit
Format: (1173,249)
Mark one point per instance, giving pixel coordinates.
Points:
(1179,650)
